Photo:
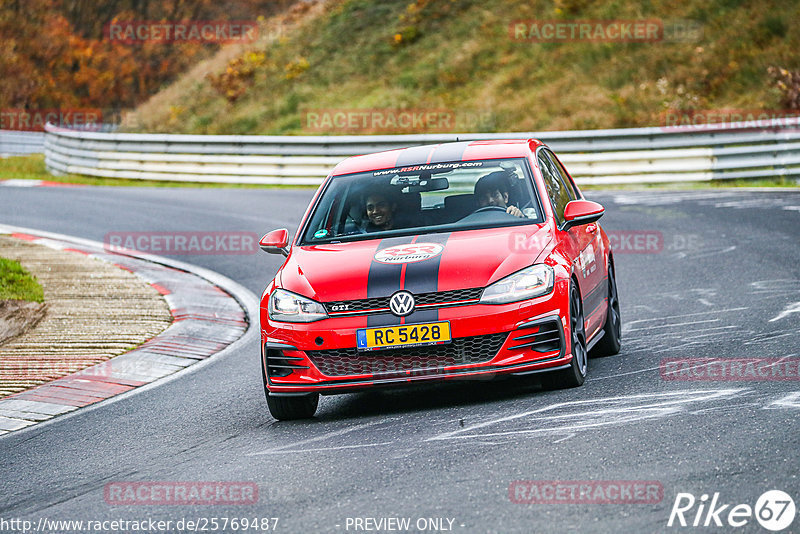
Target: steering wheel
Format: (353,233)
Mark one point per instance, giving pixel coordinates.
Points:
(490,208)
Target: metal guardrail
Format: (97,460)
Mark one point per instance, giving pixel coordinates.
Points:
(16,143)
(632,155)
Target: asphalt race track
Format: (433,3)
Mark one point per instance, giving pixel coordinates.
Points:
(702,275)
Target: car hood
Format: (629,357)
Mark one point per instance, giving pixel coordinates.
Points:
(421,263)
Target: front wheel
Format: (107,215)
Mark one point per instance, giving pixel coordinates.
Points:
(575,375)
(289,408)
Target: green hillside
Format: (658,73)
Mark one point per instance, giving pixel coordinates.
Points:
(458,57)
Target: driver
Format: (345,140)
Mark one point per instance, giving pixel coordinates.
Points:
(493,190)
(380,205)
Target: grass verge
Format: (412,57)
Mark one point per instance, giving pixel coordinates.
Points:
(17,284)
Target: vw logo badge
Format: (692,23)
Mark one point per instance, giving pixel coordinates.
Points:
(401,303)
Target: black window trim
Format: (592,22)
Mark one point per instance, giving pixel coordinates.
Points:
(556,161)
(559,224)
(301,241)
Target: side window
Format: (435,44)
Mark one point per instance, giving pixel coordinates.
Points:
(564,176)
(556,189)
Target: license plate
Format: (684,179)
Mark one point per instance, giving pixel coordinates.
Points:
(404,335)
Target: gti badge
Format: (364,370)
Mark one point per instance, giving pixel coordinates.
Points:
(401,303)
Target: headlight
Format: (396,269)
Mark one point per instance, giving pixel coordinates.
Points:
(530,282)
(291,308)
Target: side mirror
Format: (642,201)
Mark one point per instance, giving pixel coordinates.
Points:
(275,242)
(580,212)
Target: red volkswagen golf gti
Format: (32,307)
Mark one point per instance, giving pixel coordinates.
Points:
(453,261)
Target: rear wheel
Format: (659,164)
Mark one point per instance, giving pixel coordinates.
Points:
(288,408)
(609,344)
(575,375)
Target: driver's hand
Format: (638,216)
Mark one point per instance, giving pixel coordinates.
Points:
(515,211)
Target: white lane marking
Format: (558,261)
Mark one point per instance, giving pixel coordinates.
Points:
(792,400)
(637,321)
(689,341)
(724,408)
(20,182)
(788,310)
(686,345)
(682,333)
(698,336)
(621,410)
(781,285)
(652,368)
(325,436)
(625,374)
(565,438)
(322,449)
(765,337)
(658,326)
(768,336)
(710,253)
(705,302)
(615,418)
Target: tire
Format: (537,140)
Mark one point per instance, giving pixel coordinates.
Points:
(575,375)
(289,408)
(610,343)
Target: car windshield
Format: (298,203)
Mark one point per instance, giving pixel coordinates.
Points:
(423,198)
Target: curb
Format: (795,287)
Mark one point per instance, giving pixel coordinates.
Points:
(212,315)
(24,182)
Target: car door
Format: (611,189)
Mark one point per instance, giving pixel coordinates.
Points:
(591,258)
(580,242)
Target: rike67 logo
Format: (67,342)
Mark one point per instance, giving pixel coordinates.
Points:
(774,510)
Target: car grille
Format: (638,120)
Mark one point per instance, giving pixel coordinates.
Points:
(419,360)
(421,299)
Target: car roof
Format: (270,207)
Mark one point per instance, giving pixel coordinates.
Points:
(439,153)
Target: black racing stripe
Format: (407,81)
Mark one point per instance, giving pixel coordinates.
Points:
(449,152)
(414,155)
(384,279)
(423,277)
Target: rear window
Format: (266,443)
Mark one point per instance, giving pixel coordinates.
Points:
(424,198)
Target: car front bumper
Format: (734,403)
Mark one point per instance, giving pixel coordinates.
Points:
(488,340)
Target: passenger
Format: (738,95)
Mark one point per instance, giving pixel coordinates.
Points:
(381,206)
(494,189)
